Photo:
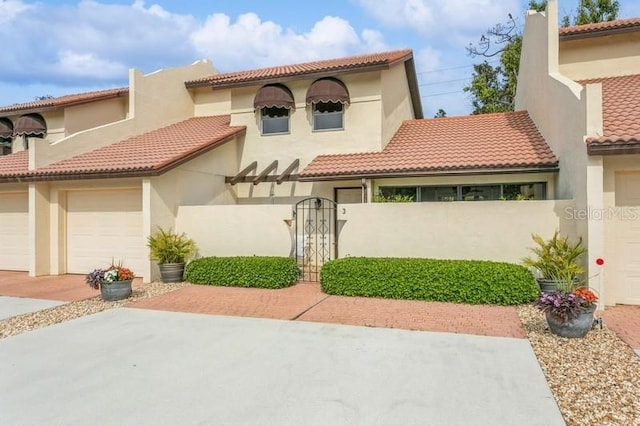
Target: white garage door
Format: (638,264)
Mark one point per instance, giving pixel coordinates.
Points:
(105,226)
(14,232)
(627,259)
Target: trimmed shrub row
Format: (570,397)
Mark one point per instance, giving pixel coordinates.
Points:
(243,271)
(459,281)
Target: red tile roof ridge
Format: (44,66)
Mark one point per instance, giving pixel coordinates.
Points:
(304,68)
(65,100)
(599,27)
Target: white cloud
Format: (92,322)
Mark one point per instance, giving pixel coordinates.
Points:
(451,21)
(72,64)
(11,9)
(249,41)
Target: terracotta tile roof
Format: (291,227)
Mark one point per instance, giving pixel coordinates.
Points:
(14,164)
(147,154)
(620,109)
(63,101)
(618,24)
(333,66)
(505,141)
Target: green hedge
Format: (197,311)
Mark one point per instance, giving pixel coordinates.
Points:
(253,271)
(460,281)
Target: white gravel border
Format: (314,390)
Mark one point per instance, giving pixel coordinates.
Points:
(595,380)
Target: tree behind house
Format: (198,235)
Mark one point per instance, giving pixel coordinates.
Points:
(493,88)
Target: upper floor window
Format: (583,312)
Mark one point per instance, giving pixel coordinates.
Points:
(6,136)
(328,116)
(275,103)
(328,96)
(274,120)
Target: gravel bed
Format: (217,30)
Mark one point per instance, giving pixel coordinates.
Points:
(32,320)
(595,380)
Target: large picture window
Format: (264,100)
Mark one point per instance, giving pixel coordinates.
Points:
(483,192)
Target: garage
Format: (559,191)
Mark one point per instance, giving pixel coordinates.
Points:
(105,226)
(627,224)
(14,231)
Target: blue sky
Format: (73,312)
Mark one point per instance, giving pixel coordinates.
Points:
(61,47)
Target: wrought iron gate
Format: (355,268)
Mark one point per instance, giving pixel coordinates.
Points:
(315,238)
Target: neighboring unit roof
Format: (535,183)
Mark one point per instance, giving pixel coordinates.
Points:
(63,101)
(148,154)
(488,143)
(578,31)
(14,164)
(307,69)
(620,111)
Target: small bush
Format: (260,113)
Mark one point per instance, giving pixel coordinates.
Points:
(459,281)
(254,271)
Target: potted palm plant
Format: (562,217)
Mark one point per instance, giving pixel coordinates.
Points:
(557,262)
(171,251)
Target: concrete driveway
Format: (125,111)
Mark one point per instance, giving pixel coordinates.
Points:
(137,366)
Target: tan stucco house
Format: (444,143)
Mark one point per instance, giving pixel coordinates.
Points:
(290,160)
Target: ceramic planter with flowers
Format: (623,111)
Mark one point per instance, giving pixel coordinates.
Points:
(113,282)
(569,314)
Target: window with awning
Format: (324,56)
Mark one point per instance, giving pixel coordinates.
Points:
(6,130)
(32,125)
(327,97)
(275,102)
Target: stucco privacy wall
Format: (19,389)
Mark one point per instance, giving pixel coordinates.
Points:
(491,230)
(485,230)
(155,100)
(237,230)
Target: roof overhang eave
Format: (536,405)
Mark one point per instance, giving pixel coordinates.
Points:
(427,173)
(599,33)
(632,147)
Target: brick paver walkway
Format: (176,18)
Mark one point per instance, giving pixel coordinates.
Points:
(306,302)
(624,320)
(66,288)
(286,303)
